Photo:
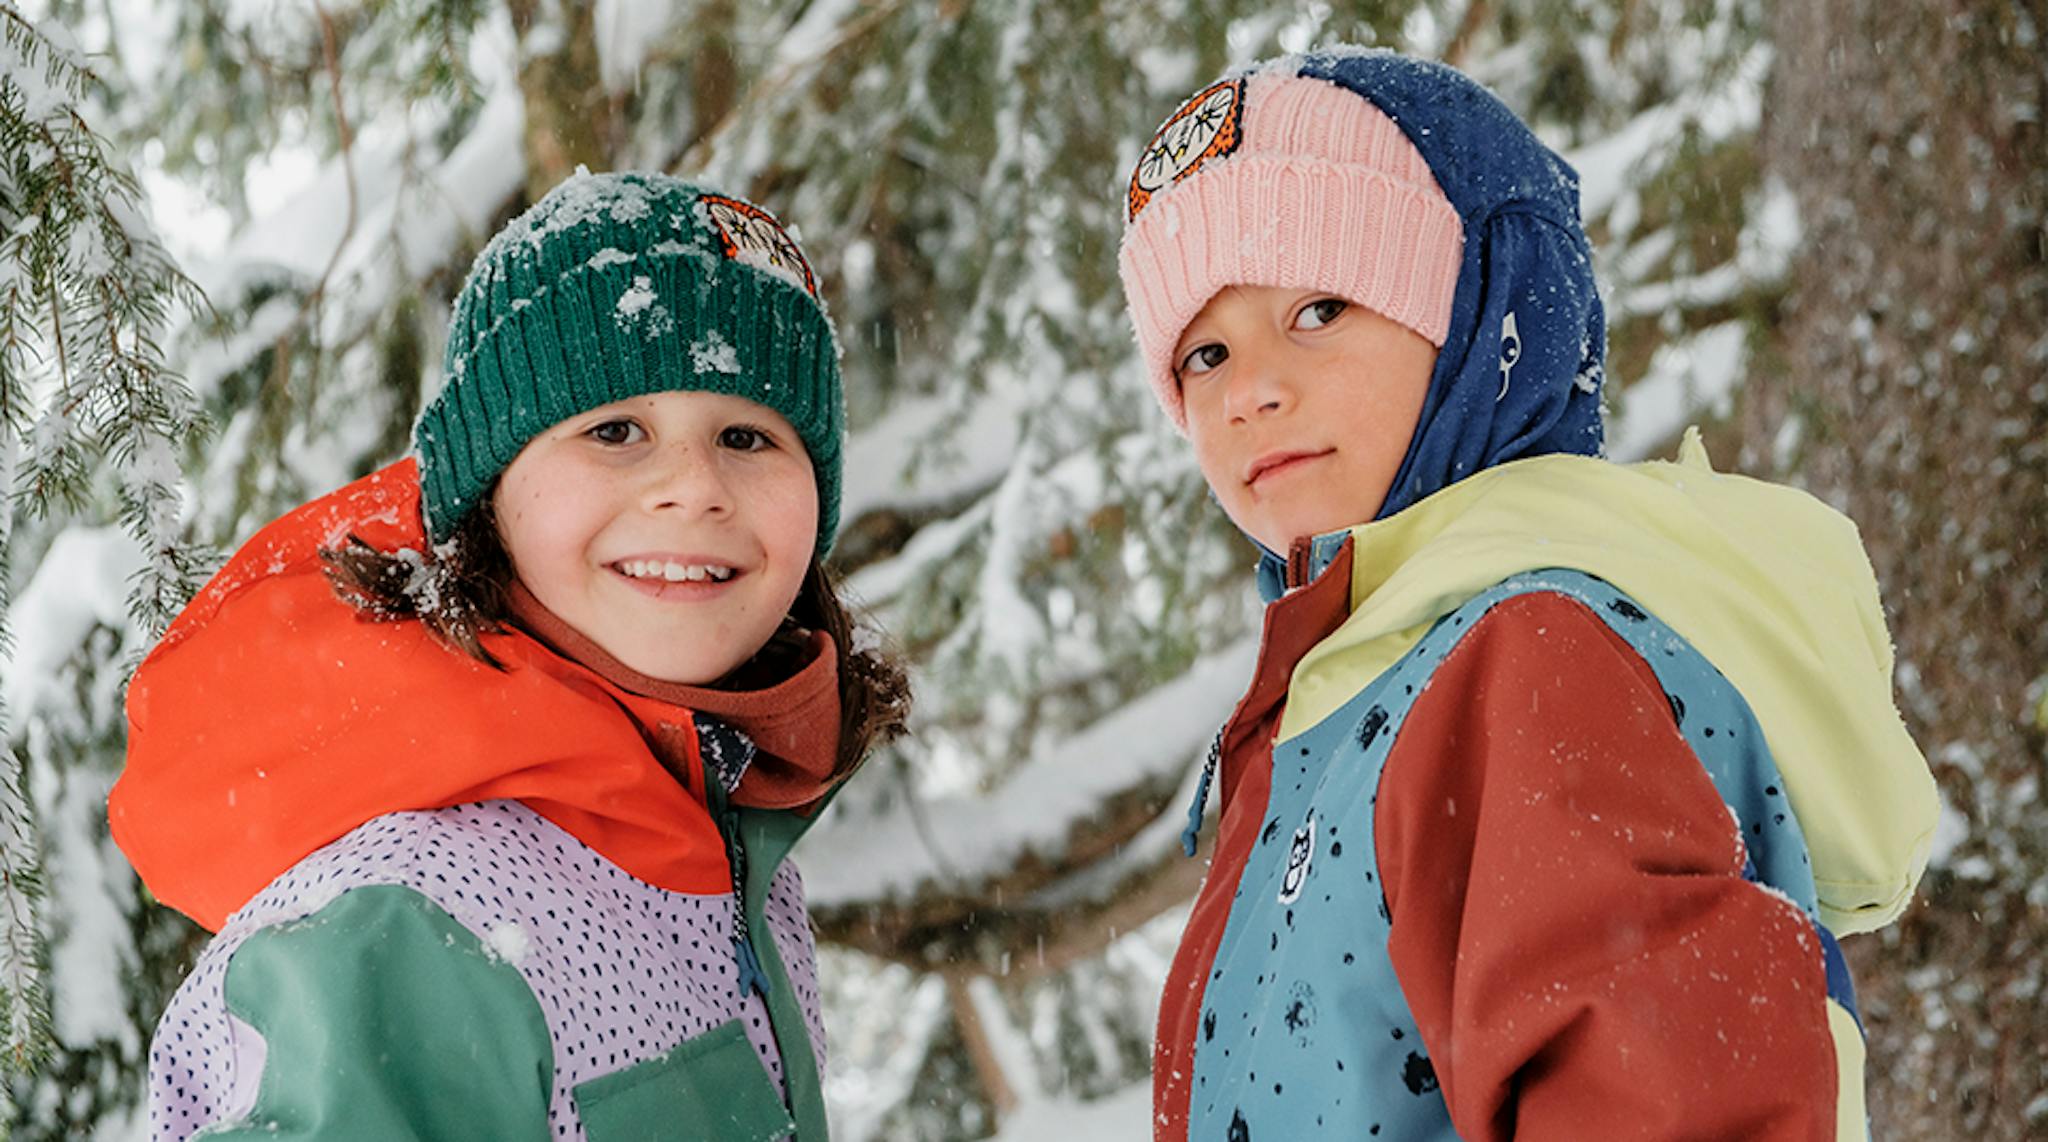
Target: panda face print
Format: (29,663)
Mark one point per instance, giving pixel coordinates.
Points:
(1300,851)
(1206,126)
(752,235)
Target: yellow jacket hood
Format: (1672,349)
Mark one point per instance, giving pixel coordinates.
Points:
(1768,583)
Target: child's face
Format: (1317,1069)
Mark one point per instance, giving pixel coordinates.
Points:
(673,529)
(1300,406)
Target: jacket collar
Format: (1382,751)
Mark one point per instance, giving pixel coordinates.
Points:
(794,723)
(1305,562)
(272,718)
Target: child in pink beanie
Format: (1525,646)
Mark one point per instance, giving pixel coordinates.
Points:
(1556,778)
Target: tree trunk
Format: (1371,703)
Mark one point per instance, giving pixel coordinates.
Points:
(1905,383)
(570,119)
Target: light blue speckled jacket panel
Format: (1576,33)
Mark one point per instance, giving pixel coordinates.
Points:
(1304,1030)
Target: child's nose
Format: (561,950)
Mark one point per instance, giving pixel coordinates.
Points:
(1257,388)
(681,477)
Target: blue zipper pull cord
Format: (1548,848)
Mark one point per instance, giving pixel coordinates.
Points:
(1201,802)
(752,978)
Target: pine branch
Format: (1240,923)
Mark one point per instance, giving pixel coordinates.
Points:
(85,288)
(24,993)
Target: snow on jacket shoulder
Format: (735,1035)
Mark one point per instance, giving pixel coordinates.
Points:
(1518,815)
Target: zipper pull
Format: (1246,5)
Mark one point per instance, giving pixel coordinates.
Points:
(1194,829)
(752,978)
(1300,554)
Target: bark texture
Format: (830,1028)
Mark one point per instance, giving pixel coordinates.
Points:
(1906,381)
(570,119)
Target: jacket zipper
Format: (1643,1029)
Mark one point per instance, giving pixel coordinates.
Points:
(1299,554)
(1200,804)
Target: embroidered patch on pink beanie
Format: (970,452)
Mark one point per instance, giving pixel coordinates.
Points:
(1276,179)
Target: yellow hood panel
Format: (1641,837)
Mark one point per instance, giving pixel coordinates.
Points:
(1769,584)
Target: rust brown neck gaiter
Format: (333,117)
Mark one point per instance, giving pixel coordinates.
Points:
(794,722)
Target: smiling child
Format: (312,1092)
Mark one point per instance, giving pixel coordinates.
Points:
(484,768)
(1556,779)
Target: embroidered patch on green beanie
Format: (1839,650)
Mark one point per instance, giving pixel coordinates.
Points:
(615,286)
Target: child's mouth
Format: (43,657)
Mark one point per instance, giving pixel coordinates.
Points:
(675,579)
(1280,463)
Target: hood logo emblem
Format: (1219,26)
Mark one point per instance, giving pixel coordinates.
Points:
(1510,352)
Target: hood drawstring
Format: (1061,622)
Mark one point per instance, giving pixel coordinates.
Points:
(726,753)
(1201,801)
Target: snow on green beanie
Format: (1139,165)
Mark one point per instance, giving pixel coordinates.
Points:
(615,286)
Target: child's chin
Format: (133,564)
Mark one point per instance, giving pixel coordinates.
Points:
(665,665)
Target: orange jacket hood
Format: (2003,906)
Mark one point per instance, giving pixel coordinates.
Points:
(272,718)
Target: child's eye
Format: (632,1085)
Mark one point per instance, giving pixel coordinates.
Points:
(1202,359)
(1320,312)
(745,438)
(616,432)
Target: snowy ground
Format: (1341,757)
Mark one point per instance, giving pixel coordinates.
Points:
(1120,1117)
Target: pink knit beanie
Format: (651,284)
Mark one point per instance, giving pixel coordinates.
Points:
(1302,184)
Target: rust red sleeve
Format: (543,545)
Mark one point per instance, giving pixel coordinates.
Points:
(1571,926)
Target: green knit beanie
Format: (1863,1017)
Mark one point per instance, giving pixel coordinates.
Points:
(615,286)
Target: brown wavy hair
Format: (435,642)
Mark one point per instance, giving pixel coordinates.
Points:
(459,591)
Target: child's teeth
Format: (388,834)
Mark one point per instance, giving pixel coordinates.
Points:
(675,572)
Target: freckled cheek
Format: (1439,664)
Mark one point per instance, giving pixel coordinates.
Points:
(790,508)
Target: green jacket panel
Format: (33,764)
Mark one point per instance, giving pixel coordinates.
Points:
(382,1017)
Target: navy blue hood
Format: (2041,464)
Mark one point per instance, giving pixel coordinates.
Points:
(1521,366)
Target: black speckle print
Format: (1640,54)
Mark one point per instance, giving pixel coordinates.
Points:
(1239,1132)
(1627,610)
(1300,1013)
(1375,721)
(1677,708)
(1418,1075)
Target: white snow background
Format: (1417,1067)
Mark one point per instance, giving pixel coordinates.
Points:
(300,201)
